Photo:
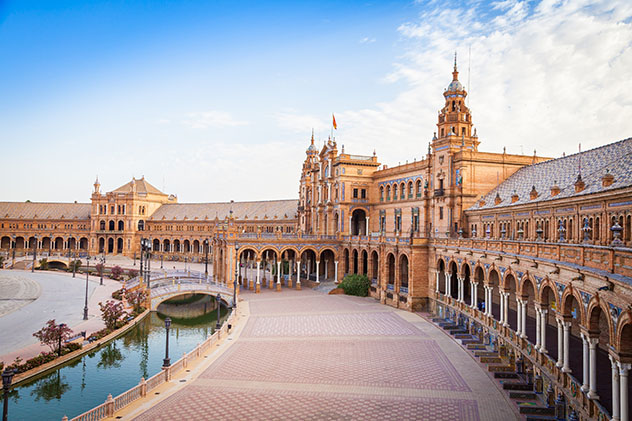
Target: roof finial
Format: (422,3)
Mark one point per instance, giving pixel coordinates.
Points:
(455,73)
(312,135)
(455,60)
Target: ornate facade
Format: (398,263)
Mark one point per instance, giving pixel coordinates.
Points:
(529,253)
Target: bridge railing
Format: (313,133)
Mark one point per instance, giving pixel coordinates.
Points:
(141,390)
(164,274)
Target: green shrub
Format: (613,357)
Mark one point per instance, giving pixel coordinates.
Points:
(355,284)
(43,264)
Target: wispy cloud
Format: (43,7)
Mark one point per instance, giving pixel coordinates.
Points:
(215,119)
(367,40)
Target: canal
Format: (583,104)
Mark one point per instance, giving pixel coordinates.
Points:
(84,383)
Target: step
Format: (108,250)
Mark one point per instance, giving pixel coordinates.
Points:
(472,341)
(541,418)
(496,368)
(451,327)
(476,347)
(438,320)
(464,336)
(501,375)
(485,353)
(522,395)
(491,360)
(455,332)
(528,408)
(517,386)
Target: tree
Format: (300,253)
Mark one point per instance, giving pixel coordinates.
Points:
(53,335)
(111,313)
(355,284)
(74,265)
(116,272)
(43,264)
(136,298)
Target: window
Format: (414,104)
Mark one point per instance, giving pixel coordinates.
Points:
(463,131)
(363,194)
(355,193)
(395,192)
(112,210)
(418,188)
(141,225)
(381,193)
(440,212)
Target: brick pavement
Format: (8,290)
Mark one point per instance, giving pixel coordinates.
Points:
(303,355)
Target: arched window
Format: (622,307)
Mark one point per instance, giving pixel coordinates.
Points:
(121,225)
(402,191)
(102,225)
(111,225)
(410,189)
(395,192)
(141,225)
(388,192)
(381,193)
(418,188)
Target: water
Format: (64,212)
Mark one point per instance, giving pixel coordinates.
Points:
(116,367)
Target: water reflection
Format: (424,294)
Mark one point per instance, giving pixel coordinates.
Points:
(86,382)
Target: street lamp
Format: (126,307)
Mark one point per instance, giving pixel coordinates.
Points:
(148,263)
(13,251)
(7,378)
(50,245)
(206,259)
(34,253)
(61,327)
(219,304)
(102,267)
(85,307)
(167,361)
(236,275)
(74,265)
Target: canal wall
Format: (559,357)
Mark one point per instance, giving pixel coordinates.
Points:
(184,309)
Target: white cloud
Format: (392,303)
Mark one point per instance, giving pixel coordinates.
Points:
(216,119)
(545,76)
(367,40)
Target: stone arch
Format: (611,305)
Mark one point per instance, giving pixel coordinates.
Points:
(375,265)
(453,269)
(404,263)
(364,259)
(358,221)
(567,299)
(594,321)
(623,341)
(390,269)
(333,251)
(441,269)
(345,261)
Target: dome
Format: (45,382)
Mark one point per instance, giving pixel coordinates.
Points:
(455,85)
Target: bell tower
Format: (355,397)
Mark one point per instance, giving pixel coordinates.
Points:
(455,119)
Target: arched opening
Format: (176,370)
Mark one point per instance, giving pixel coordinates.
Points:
(572,312)
(345,261)
(72,243)
(355,261)
(375,264)
(494,282)
(598,326)
(46,243)
(102,225)
(358,222)
(19,242)
(547,298)
(479,277)
(141,225)
(336,226)
(110,245)
(454,282)
(391,269)
(364,258)
(119,245)
(196,246)
(328,267)
(441,269)
(528,295)
(156,244)
(101,245)
(308,259)
(467,288)
(166,246)
(187,246)
(176,246)
(59,244)
(111,225)
(403,271)
(121,225)
(512,312)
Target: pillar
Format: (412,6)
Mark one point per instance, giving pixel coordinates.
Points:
(585,360)
(317,272)
(438,276)
(367,227)
(506,309)
(278,283)
(502,307)
(447,284)
(567,331)
(459,288)
(615,389)
(258,286)
(298,274)
(336,271)
(560,343)
(488,300)
(519,330)
(523,318)
(474,294)
(623,387)
(543,331)
(593,343)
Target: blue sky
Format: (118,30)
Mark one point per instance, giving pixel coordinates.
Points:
(216,100)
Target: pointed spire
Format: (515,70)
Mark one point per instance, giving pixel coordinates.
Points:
(312,135)
(455,73)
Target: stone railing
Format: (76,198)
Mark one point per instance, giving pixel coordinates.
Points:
(111,405)
(616,260)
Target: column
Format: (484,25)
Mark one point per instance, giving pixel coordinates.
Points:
(623,387)
(560,343)
(543,331)
(473,294)
(298,274)
(593,343)
(615,388)
(459,288)
(488,300)
(523,318)
(537,328)
(327,268)
(585,360)
(502,307)
(336,271)
(258,268)
(317,271)
(567,331)
(438,276)
(506,309)
(278,272)
(350,230)
(447,284)
(367,227)
(519,317)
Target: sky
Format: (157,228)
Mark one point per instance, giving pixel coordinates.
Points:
(216,100)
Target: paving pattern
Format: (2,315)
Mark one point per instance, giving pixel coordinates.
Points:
(308,356)
(16,291)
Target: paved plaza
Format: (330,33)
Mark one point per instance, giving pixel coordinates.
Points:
(306,355)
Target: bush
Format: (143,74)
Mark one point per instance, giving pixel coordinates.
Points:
(111,314)
(136,298)
(132,273)
(118,294)
(356,284)
(43,264)
(116,272)
(76,264)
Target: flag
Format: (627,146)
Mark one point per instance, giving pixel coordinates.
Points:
(334,123)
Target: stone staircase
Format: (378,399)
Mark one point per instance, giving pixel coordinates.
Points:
(520,390)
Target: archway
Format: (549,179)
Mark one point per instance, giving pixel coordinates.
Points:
(494,282)
(110,245)
(467,289)
(403,272)
(479,278)
(345,261)
(83,243)
(391,269)
(101,245)
(176,246)
(571,310)
(598,327)
(327,265)
(375,265)
(355,261)
(528,295)
(119,245)
(441,269)
(358,222)
(121,225)
(5,243)
(156,245)
(308,262)
(166,246)
(547,298)
(59,244)
(269,260)
(454,283)
(512,314)
(19,243)
(364,258)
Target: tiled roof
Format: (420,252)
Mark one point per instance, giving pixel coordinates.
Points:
(33,210)
(281,209)
(615,158)
(142,186)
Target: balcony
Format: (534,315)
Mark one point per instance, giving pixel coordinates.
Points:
(439,192)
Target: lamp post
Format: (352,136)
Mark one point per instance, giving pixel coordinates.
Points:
(74,265)
(101,270)
(61,326)
(219,304)
(236,275)
(85,307)
(13,251)
(7,378)
(206,258)
(34,253)
(167,361)
(148,263)
(50,245)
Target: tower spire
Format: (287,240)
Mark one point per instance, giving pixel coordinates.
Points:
(455,73)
